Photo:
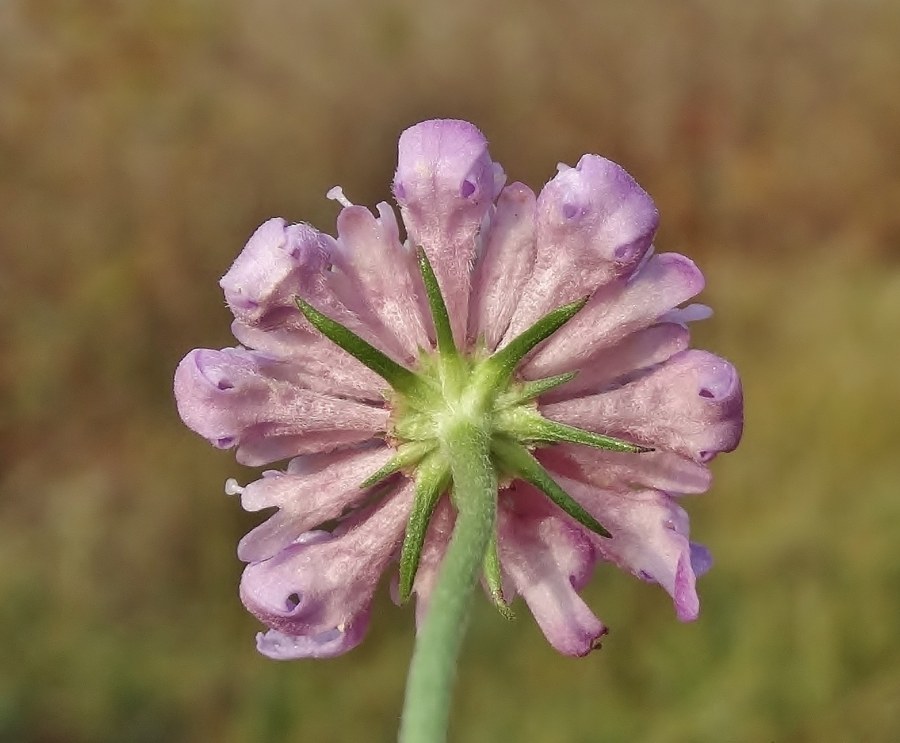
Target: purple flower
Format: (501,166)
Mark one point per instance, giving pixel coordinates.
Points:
(366,454)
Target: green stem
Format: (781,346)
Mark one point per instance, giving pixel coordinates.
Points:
(426,710)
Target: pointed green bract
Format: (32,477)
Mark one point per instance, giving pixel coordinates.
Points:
(397,376)
(442,326)
(528,425)
(518,461)
(530,390)
(408,455)
(501,365)
(432,479)
(494,580)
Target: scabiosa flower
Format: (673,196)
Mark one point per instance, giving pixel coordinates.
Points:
(542,330)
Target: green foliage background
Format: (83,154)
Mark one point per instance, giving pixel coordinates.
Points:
(141,142)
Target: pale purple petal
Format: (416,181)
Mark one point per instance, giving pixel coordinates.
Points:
(618,310)
(611,366)
(691,404)
(278,261)
(377,270)
(231,398)
(594,224)
(315,362)
(445,183)
(661,470)
(328,644)
(311,589)
(308,499)
(504,265)
(257,450)
(649,538)
(548,558)
(281,262)
(694,312)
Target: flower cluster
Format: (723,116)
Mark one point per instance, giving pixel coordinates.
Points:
(546,319)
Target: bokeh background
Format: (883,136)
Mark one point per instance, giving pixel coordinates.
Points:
(141,142)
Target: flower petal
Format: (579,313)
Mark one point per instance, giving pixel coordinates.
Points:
(377,269)
(691,404)
(661,470)
(609,366)
(315,362)
(315,587)
(649,538)
(307,499)
(445,183)
(281,261)
(278,261)
(688,314)
(548,558)
(328,644)
(594,224)
(233,398)
(504,265)
(617,310)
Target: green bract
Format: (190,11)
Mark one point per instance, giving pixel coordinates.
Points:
(456,402)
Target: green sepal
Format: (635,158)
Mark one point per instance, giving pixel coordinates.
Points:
(442,327)
(528,425)
(492,577)
(500,367)
(432,479)
(397,376)
(407,455)
(518,461)
(528,391)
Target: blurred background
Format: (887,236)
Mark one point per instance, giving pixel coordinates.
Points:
(140,144)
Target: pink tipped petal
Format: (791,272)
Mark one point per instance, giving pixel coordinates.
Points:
(314,588)
(306,500)
(661,470)
(609,366)
(547,559)
(692,404)
(594,224)
(445,183)
(649,538)
(377,268)
(504,266)
(664,282)
(231,398)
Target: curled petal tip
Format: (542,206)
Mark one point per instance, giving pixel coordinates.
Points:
(278,260)
(446,157)
(323,644)
(600,197)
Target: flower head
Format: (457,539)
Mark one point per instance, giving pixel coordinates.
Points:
(545,325)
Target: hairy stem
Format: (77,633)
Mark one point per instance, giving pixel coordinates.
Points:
(426,710)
